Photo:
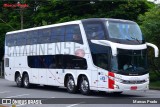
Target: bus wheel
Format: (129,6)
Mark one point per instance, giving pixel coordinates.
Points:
(19,80)
(84,86)
(71,88)
(26,81)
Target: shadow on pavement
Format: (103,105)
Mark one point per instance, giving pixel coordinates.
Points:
(92,94)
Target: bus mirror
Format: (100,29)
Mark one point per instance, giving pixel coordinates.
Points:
(156,50)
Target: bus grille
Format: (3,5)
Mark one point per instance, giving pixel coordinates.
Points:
(133,81)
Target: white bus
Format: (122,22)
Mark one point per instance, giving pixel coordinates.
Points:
(91,54)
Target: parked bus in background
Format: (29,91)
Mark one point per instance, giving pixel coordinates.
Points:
(91,54)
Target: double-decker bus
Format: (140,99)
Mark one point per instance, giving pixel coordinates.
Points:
(92,54)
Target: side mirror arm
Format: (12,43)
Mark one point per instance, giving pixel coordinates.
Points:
(156,50)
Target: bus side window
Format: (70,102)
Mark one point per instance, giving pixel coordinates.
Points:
(14,39)
(73,34)
(57,34)
(8,40)
(74,62)
(94,31)
(21,39)
(6,62)
(44,35)
(59,61)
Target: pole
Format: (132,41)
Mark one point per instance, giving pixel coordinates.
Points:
(1,70)
(21,14)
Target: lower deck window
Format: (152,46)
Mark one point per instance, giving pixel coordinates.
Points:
(57,62)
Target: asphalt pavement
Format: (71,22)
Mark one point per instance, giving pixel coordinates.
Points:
(9,90)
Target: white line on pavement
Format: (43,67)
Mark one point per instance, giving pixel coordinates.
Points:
(74,104)
(4,92)
(17,96)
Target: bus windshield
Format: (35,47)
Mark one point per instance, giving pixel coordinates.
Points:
(129,62)
(124,30)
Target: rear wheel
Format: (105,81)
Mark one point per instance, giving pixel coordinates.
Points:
(26,81)
(71,88)
(19,80)
(84,86)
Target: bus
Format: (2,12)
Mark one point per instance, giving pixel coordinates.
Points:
(101,54)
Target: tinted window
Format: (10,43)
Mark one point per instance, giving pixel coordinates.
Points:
(45,61)
(94,31)
(57,62)
(32,37)
(42,61)
(44,35)
(6,62)
(14,40)
(8,40)
(73,34)
(100,55)
(74,62)
(21,39)
(57,34)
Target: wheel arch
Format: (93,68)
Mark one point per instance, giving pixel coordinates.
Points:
(15,75)
(24,72)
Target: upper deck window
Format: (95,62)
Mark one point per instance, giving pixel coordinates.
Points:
(124,30)
(94,31)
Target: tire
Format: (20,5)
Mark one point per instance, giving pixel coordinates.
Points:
(71,87)
(19,80)
(84,86)
(26,82)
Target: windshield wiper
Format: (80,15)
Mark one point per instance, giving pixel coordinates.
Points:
(136,39)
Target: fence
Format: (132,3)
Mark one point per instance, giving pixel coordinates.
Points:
(1,69)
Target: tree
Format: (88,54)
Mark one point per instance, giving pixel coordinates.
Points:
(44,12)
(150,24)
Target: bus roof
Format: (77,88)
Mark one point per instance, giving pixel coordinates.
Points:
(66,23)
(43,27)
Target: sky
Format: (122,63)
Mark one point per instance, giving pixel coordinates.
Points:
(156,1)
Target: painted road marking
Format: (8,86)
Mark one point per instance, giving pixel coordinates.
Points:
(75,104)
(4,92)
(17,96)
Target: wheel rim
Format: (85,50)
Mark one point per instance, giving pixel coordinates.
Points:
(26,81)
(18,80)
(84,86)
(70,84)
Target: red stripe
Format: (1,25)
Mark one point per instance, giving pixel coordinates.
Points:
(111,82)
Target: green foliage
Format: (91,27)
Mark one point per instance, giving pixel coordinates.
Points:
(150,24)
(43,12)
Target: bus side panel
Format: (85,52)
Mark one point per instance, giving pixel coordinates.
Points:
(9,71)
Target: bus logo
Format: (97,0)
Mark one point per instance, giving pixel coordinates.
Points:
(80,53)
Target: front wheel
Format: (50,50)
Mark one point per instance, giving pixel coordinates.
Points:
(71,88)
(26,81)
(84,86)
